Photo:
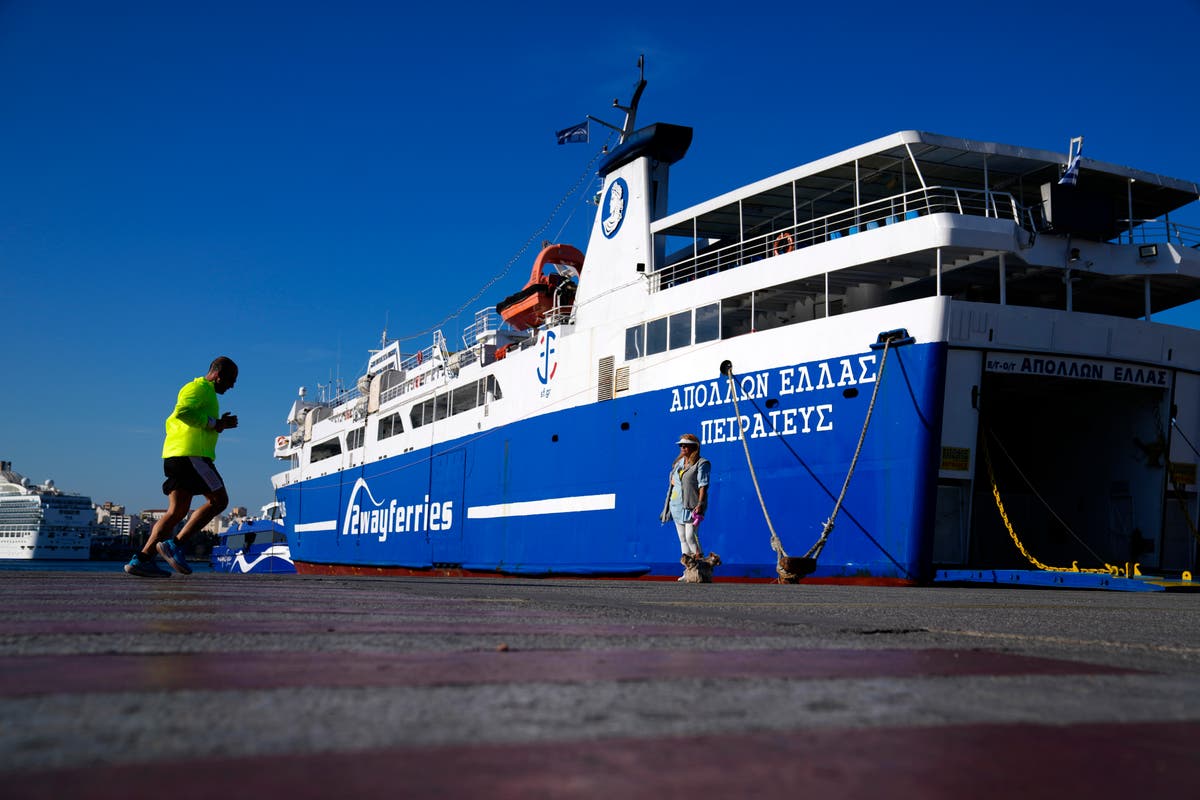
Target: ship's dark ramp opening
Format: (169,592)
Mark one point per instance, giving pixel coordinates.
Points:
(1094,452)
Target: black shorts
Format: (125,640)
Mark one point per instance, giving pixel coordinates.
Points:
(191,474)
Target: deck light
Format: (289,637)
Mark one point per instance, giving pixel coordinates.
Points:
(1148,251)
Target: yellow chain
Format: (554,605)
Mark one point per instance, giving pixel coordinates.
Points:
(1109,569)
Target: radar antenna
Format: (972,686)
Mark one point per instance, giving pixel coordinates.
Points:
(631,109)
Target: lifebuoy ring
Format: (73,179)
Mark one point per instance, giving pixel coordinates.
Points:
(280,442)
(783,243)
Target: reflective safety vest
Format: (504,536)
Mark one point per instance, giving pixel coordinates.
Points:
(188,433)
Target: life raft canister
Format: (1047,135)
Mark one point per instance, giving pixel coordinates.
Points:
(783,243)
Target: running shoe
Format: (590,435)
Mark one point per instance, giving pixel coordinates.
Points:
(172,553)
(145,569)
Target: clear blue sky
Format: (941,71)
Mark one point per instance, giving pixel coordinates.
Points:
(275,181)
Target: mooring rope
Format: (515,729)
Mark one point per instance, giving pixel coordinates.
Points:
(776,545)
(816,549)
(1175,425)
(782,558)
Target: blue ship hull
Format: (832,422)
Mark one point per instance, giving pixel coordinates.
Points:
(578,492)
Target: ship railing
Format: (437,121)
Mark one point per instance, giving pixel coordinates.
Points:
(486,323)
(1159,231)
(421,358)
(393,392)
(844,222)
(417,360)
(559,315)
(343,397)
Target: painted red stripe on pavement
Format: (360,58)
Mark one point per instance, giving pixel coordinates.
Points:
(264,609)
(185,624)
(1102,760)
(106,672)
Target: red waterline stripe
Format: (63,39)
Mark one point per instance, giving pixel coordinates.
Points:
(309,568)
(105,672)
(1095,760)
(810,581)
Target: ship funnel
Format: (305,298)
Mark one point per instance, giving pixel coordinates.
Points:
(636,178)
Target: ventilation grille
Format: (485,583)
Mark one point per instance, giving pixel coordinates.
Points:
(622,383)
(604,387)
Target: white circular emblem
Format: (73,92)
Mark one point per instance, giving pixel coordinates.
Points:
(614,207)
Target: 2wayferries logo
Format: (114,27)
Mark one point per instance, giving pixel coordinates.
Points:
(381,518)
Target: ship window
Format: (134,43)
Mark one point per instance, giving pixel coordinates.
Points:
(777,306)
(354,438)
(464,398)
(680,329)
(735,315)
(441,406)
(326,449)
(633,343)
(656,336)
(708,323)
(389,426)
(492,386)
(421,413)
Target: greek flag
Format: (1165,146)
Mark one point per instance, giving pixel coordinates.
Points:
(575,133)
(1070,177)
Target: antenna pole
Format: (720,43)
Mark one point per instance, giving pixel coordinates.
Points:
(631,110)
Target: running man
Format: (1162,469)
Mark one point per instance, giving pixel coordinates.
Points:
(188,453)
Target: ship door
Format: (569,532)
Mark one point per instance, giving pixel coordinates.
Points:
(447,474)
(960,429)
(1079,462)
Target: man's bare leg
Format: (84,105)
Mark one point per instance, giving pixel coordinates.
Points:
(178,503)
(217,502)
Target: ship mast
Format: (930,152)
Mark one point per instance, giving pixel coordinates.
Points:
(630,110)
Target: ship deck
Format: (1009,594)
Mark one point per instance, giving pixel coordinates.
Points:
(870,194)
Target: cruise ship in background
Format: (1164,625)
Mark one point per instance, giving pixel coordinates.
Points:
(40,521)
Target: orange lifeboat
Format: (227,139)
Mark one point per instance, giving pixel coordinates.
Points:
(527,308)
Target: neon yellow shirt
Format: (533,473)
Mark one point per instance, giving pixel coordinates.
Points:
(188,433)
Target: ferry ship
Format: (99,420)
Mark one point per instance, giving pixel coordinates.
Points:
(254,546)
(40,521)
(922,356)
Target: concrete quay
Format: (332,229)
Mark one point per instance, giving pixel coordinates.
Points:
(311,687)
